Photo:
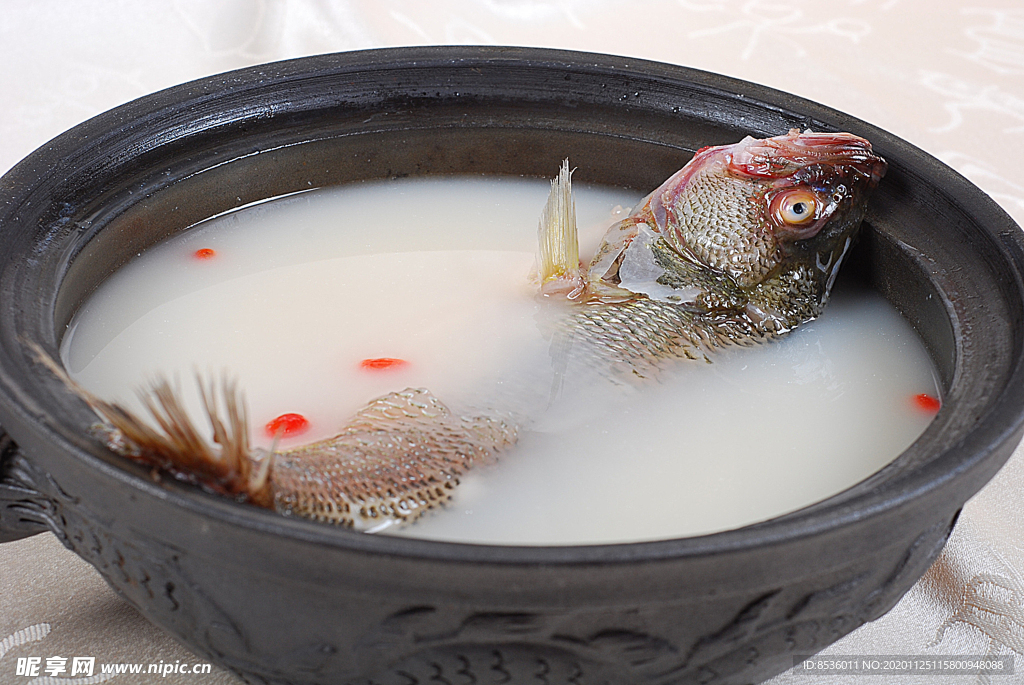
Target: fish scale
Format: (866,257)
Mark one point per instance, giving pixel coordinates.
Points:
(657,331)
(714,224)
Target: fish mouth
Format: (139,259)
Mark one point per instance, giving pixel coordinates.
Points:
(782,156)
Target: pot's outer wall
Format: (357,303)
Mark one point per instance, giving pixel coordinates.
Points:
(290,601)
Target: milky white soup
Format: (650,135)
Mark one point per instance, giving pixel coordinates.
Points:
(299,291)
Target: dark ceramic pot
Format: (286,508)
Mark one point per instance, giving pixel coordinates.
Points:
(290,601)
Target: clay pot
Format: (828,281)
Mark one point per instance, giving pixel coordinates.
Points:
(280,600)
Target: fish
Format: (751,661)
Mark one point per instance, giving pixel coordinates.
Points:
(740,246)
(397,457)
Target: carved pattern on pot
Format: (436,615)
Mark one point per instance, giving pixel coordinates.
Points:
(529,647)
(433,645)
(24,510)
(147,576)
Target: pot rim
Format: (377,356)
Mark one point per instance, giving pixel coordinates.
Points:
(974,457)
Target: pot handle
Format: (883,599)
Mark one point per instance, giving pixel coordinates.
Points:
(23,508)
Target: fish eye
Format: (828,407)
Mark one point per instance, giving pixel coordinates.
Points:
(795,207)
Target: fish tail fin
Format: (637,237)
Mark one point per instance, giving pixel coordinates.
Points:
(176,445)
(558,251)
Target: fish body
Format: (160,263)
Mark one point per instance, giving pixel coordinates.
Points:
(397,457)
(741,245)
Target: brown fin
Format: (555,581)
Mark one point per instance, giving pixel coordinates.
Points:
(177,446)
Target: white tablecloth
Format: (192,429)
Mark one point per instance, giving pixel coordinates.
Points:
(947,76)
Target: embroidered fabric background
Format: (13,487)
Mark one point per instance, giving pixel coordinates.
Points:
(948,77)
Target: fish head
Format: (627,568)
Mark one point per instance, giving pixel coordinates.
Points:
(759,226)
(758,207)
